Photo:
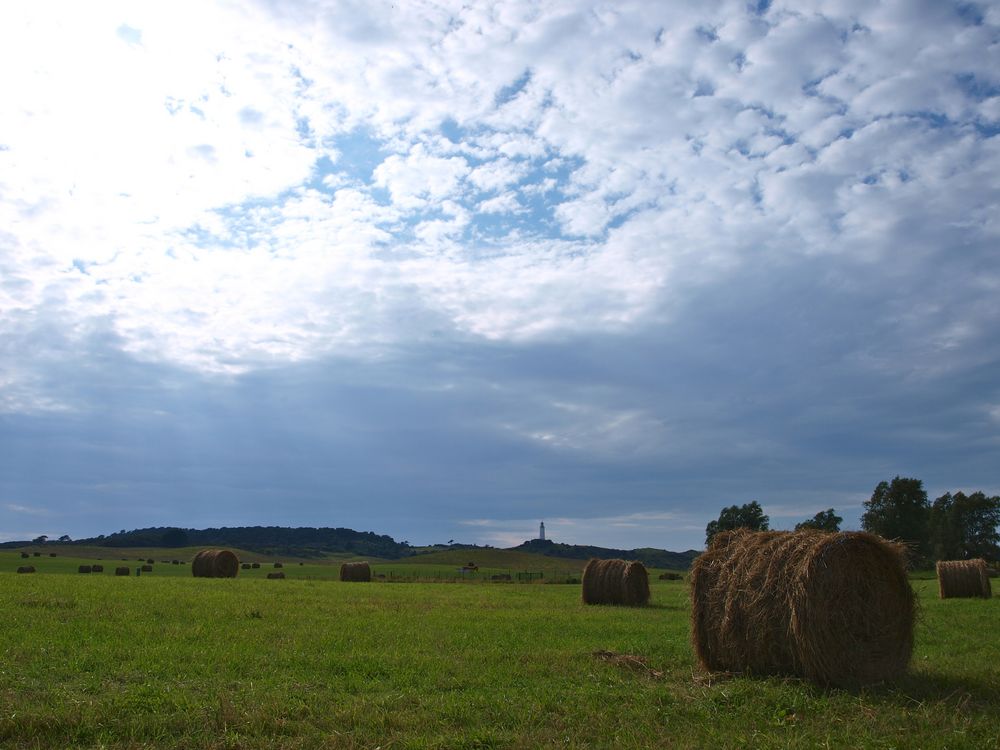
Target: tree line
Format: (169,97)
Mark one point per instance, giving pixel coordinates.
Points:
(955,526)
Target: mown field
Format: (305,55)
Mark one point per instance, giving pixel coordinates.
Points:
(171,661)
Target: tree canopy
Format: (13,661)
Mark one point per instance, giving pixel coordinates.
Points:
(750,516)
(825,520)
(899,510)
(962,527)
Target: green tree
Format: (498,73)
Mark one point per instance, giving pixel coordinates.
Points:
(174,538)
(899,510)
(825,520)
(750,516)
(962,527)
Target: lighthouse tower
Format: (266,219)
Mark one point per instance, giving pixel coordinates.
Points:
(541,531)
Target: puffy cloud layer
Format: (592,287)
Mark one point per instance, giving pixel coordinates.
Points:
(230,188)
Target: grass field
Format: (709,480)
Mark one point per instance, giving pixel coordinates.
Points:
(173,661)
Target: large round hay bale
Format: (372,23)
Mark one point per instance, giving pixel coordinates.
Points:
(833,608)
(215,563)
(122,571)
(276,575)
(355,571)
(84,569)
(96,568)
(963,578)
(615,582)
(26,569)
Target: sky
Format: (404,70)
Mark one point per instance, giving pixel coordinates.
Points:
(444,270)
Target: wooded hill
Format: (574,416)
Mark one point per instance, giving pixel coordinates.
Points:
(319,542)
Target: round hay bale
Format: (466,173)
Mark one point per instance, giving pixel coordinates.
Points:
(122,571)
(276,575)
(355,571)
(52,554)
(38,554)
(278,565)
(671,577)
(615,582)
(84,569)
(26,569)
(96,568)
(255,566)
(147,568)
(835,608)
(175,562)
(150,561)
(244,566)
(215,563)
(25,555)
(963,579)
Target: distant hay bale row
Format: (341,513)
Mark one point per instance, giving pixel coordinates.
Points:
(255,566)
(123,571)
(276,575)
(671,577)
(215,563)
(96,568)
(963,578)
(244,566)
(85,569)
(833,608)
(355,571)
(615,582)
(26,569)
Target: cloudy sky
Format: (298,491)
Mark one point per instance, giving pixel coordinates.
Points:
(443,269)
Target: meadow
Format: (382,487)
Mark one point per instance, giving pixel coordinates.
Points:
(170,661)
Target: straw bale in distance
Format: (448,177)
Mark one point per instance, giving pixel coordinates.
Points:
(147,568)
(215,563)
(84,569)
(122,571)
(244,566)
(278,565)
(38,554)
(615,582)
(26,569)
(25,555)
(277,574)
(255,565)
(836,609)
(963,579)
(96,568)
(52,554)
(355,571)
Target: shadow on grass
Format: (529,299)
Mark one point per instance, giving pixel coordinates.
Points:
(934,687)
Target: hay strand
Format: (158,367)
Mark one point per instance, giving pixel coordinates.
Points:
(963,579)
(834,608)
(215,563)
(615,582)
(355,571)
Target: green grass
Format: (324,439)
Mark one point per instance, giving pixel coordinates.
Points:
(178,662)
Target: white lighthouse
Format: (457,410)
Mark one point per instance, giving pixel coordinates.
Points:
(541,531)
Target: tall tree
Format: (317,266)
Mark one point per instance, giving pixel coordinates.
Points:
(750,516)
(825,520)
(962,527)
(899,510)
